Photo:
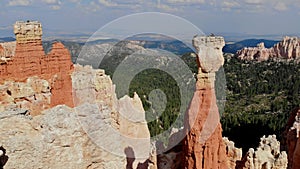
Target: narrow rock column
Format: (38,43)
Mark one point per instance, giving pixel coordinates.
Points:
(29,49)
(203,145)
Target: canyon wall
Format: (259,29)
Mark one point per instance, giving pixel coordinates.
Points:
(203,146)
(288,48)
(26,58)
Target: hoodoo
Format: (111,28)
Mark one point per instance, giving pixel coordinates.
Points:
(203,145)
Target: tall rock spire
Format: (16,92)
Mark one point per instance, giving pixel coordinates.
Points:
(203,145)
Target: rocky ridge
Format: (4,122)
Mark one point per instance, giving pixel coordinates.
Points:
(288,48)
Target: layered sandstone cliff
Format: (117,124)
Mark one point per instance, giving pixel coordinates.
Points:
(203,146)
(288,48)
(26,58)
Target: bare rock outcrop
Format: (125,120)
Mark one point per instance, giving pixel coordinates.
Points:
(203,146)
(171,157)
(233,154)
(27,58)
(288,48)
(292,139)
(267,155)
(33,94)
(100,132)
(7,50)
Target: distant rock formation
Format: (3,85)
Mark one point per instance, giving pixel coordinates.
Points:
(80,137)
(267,156)
(292,139)
(203,146)
(26,58)
(288,48)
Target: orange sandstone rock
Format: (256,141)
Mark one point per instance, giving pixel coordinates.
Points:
(203,146)
(30,60)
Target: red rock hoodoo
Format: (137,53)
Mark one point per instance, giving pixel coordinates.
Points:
(30,60)
(203,146)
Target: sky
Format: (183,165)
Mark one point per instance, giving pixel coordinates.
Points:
(258,17)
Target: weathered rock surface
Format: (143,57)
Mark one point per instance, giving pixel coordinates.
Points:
(233,154)
(100,132)
(124,118)
(170,157)
(30,60)
(267,156)
(33,94)
(7,50)
(288,48)
(292,139)
(203,146)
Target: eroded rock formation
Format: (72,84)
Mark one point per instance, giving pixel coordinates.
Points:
(203,146)
(7,50)
(288,48)
(292,139)
(100,132)
(267,156)
(29,59)
(233,154)
(33,94)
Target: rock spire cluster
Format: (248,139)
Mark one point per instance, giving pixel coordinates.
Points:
(288,48)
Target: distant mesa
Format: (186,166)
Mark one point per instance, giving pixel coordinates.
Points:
(288,48)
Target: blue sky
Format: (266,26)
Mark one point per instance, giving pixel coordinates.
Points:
(258,17)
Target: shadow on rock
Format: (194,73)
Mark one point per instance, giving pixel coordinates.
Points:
(3,157)
(130,158)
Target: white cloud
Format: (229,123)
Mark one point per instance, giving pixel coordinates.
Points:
(186,1)
(6,27)
(166,7)
(55,7)
(74,1)
(107,3)
(254,2)
(230,4)
(19,2)
(54,4)
(51,1)
(280,6)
